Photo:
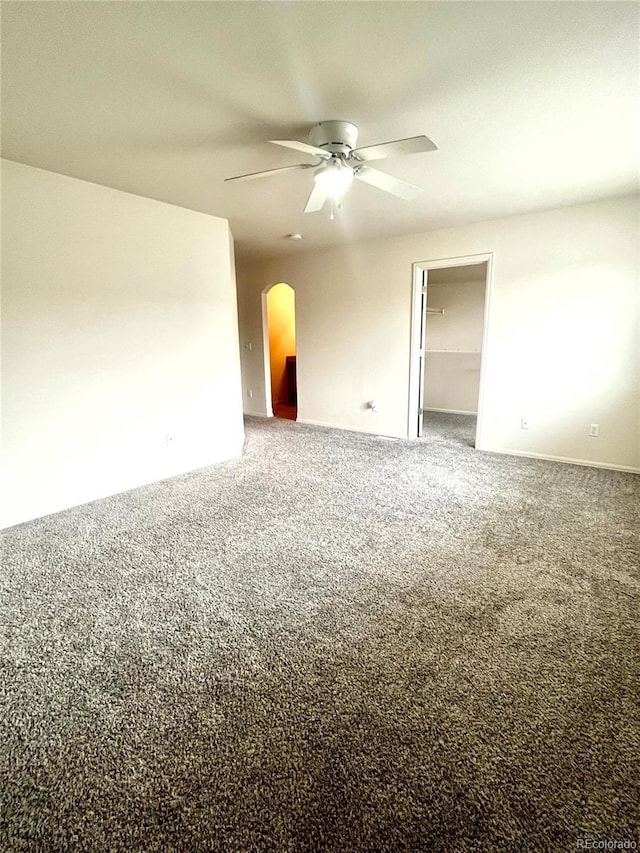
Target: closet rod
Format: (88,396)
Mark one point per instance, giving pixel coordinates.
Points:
(435,310)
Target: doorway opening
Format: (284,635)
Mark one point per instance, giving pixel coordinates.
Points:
(279,321)
(450,320)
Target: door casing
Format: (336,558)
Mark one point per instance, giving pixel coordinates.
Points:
(418,338)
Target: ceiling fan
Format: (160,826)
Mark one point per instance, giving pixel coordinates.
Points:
(334,142)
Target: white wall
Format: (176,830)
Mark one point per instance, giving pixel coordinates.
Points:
(452,382)
(563,329)
(454,346)
(119,329)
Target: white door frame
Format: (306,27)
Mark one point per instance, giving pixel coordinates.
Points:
(416,334)
(266,357)
(422,346)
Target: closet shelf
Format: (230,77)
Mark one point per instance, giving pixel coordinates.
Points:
(458,351)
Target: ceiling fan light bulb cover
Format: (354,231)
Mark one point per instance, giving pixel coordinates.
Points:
(334,179)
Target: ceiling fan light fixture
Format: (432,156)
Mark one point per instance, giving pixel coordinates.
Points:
(334,178)
(339,161)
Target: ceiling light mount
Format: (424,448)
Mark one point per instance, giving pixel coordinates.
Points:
(337,137)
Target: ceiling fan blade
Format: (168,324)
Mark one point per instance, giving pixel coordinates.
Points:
(266,174)
(302,146)
(316,199)
(413,145)
(388,183)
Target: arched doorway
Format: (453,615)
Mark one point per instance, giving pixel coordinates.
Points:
(279,306)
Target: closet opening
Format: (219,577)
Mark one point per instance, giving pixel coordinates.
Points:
(450,325)
(279,322)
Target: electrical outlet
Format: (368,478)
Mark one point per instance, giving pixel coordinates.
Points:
(594,430)
(171,440)
(524,423)
(250,393)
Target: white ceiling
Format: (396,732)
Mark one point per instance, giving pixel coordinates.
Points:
(532,105)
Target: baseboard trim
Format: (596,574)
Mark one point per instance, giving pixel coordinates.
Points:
(566,460)
(348,428)
(448,411)
(257,414)
(230,456)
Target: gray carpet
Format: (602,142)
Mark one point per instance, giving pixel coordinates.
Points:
(452,429)
(335,643)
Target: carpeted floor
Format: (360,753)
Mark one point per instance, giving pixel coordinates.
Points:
(336,643)
(452,429)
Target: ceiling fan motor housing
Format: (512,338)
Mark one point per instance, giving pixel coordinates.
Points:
(338,137)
